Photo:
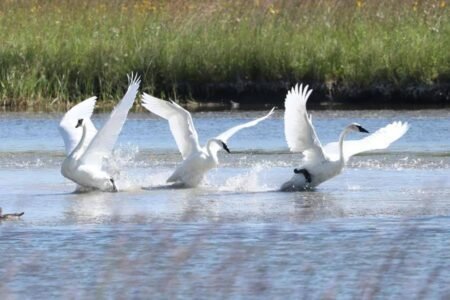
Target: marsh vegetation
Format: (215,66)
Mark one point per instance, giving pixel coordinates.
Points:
(55,52)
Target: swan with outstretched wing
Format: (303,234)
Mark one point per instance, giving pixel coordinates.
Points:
(88,148)
(197,160)
(323,163)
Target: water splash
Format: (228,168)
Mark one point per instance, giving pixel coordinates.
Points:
(249,181)
(121,157)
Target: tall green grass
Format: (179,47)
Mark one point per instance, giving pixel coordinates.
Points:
(58,51)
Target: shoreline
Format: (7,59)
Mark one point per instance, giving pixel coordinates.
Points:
(252,95)
(325,95)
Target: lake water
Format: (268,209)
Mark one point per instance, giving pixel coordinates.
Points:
(379,230)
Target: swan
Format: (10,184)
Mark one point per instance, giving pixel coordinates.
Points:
(86,148)
(197,160)
(323,163)
(13,216)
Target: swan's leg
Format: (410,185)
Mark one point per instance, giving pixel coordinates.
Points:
(114,185)
(305,173)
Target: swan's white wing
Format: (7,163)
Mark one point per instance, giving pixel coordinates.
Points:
(380,139)
(72,135)
(298,128)
(103,142)
(230,132)
(180,122)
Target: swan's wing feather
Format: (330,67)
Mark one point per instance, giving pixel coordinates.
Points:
(180,122)
(224,136)
(380,139)
(298,129)
(103,142)
(72,135)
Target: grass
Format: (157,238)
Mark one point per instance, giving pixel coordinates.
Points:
(59,51)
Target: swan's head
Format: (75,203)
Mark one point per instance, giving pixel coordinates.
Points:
(79,123)
(219,143)
(356,127)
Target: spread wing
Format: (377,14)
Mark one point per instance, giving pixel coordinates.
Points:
(380,139)
(180,122)
(298,129)
(230,132)
(70,134)
(103,142)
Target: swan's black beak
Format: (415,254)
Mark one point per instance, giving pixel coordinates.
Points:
(225,147)
(80,122)
(361,129)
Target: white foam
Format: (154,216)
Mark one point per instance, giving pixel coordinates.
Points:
(249,181)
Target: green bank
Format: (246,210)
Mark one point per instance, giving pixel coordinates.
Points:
(54,53)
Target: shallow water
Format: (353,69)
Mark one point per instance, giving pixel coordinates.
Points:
(379,229)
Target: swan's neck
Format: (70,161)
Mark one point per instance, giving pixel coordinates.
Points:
(208,147)
(211,152)
(341,145)
(81,143)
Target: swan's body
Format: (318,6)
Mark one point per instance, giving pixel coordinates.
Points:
(197,160)
(87,176)
(191,171)
(323,163)
(86,147)
(9,217)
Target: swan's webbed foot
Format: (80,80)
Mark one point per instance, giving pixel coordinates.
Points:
(114,188)
(305,173)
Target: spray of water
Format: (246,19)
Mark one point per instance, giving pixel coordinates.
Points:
(249,181)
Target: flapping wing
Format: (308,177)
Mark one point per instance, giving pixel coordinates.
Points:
(230,132)
(380,139)
(298,128)
(180,122)
(103,142)
(70,134)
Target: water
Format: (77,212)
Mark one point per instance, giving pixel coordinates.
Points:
(380,229)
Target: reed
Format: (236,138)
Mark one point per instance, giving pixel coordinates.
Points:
(60,51)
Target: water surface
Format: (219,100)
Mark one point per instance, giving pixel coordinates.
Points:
(379,229)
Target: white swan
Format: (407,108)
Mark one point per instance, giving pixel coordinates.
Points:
(86,147)
(322,163)
(197,160)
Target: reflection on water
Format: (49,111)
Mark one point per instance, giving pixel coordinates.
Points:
(378,229)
